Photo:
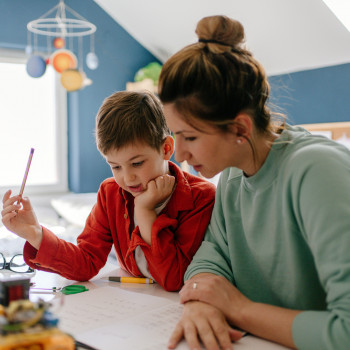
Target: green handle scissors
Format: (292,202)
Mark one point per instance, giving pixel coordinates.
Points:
(74,289)
(71,289)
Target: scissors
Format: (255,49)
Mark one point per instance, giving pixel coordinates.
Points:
(71,289)
(74,289)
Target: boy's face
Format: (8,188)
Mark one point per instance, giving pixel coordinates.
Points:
(134,165)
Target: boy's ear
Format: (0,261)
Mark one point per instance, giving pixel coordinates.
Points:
(168,147)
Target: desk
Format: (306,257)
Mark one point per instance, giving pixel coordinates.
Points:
(105,316)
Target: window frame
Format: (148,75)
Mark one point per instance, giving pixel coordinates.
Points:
(19,56)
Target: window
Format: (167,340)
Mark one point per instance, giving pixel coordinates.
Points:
(32,114)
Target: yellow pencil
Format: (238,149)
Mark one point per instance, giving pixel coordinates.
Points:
(131,279)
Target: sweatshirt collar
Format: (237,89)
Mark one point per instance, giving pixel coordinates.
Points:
(269,170)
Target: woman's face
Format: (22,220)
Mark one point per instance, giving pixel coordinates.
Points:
(208,151)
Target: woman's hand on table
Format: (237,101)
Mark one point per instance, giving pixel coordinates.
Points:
(201,322)
(216,291)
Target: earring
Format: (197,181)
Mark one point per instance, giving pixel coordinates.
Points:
(239,141)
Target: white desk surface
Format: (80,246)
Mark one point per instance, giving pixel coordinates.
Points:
(114,325)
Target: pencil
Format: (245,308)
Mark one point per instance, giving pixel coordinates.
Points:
(26,173)
(131,279)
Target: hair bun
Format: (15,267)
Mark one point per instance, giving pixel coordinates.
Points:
(221,30)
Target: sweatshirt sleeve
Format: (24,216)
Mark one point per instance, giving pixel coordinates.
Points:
(213,254)
(78,262)
(323,203)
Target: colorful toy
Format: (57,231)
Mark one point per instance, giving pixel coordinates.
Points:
(14,289)
(62,60)
(36,66)
(72,79)
(27,326)
(151,71)
(91,60)
(59,23)
(58,43)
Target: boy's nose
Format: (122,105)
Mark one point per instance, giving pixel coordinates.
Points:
(129,177)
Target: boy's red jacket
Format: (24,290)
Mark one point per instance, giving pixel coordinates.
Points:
(176,234)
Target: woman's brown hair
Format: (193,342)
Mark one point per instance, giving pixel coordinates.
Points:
(217,78)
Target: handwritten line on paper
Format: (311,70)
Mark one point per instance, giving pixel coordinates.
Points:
(107,316)
(110,318)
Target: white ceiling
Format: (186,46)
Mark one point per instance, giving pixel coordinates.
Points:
(284,35)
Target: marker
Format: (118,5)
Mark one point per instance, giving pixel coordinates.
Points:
(131,279)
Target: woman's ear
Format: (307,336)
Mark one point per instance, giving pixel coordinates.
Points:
(242,127)
(168,147)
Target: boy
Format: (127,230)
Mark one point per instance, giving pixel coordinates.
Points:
(154,214)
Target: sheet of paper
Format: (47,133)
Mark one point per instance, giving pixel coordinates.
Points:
(110,318)
(107,317)
(105,306)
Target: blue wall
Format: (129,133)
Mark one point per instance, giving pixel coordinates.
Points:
(313,96)
(120,56)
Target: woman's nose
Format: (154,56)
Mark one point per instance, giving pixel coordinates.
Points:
(181,154)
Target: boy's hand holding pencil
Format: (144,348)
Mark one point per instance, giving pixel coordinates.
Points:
(18,215)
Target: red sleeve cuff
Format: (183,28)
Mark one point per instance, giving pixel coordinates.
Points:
(46,253)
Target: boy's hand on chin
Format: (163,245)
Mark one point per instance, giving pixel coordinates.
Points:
(158,190)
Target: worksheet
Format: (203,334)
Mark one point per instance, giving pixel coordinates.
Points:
(107,317)
(110,318)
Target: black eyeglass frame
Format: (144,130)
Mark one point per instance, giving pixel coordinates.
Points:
(8,264)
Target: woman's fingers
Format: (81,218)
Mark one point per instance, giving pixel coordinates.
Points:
(223,335)
(207,336)
(203,323)
(176,336)
(191,331)
(236,335)
(191,336)
(192,290)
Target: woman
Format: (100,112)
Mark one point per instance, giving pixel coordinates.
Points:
(275,261)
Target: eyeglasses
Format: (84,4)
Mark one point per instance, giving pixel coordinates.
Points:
(16,264)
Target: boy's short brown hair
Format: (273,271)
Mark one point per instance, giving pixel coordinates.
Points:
(128,117)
